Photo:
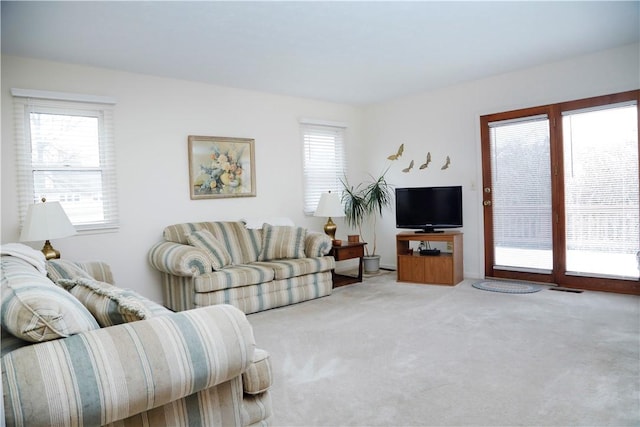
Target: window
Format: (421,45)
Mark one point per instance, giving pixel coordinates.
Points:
(66,154)
(324,160)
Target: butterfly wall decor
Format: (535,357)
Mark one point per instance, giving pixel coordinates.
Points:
(398,154)
(407,169)
(425,164)
(447,163)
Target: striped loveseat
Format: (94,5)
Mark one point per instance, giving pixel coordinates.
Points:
(207,263)
(61,366)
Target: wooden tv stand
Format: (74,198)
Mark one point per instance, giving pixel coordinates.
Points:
(442,269)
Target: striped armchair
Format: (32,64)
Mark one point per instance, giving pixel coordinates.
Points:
(207,263)
(62,367)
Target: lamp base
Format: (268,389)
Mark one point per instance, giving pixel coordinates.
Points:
(330,229)
(49,252)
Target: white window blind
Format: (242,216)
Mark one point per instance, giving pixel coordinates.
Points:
(66,154)
(601,190)
(324,161)
(521,194)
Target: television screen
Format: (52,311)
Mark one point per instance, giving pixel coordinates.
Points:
(429,208)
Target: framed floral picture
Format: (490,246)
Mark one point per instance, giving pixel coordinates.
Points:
(221,167)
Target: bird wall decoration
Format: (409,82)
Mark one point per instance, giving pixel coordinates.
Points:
(407,169)
(425,164)
(447,163)
(398,154)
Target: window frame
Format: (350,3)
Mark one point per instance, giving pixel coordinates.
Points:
(313,184)
(28,101)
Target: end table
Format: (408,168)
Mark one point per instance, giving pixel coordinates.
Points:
(347,250)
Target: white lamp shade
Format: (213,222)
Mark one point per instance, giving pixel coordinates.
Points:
(46,221)
(329,206)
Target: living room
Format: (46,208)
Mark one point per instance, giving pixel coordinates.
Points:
(154,115)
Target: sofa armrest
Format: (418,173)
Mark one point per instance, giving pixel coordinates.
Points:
(179,260)
(105,375)
(317,244)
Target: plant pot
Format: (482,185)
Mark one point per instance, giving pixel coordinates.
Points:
(371,263)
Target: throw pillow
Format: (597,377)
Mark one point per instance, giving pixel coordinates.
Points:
(216,251)
(282,242)
(62,269)
(109,304)
(35,309)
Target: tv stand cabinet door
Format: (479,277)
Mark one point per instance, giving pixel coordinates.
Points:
(438,269)
(410,269)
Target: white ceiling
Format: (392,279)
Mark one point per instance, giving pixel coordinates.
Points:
(349,52)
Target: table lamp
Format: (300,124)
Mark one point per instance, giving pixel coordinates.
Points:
(329,206)
(46,220)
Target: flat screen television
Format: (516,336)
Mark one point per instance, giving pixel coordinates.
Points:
(429,209)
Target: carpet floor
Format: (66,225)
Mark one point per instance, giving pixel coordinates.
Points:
(383,353)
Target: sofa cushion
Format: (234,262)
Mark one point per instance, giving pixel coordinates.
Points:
(216,251)
(286,268)
(277,293)
(240,243)
(232,277)
(282,242)
(111,305)
(35,309)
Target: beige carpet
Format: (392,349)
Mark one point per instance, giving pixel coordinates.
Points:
(382,353)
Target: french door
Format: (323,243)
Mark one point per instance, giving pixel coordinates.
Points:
(561,193)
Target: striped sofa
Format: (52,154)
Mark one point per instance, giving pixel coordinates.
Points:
(207,263)
(60,367)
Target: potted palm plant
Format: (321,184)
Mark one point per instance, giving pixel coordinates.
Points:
(363,204)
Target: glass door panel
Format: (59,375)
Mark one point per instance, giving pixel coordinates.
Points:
(521,194)
(600,150)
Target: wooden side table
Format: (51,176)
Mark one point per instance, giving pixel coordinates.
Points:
(343,252)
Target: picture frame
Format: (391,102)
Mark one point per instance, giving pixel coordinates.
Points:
(221,167)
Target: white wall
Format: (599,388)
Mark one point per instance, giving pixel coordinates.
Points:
(446,122)
(153,118)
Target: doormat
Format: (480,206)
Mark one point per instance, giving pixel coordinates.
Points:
(507,287)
